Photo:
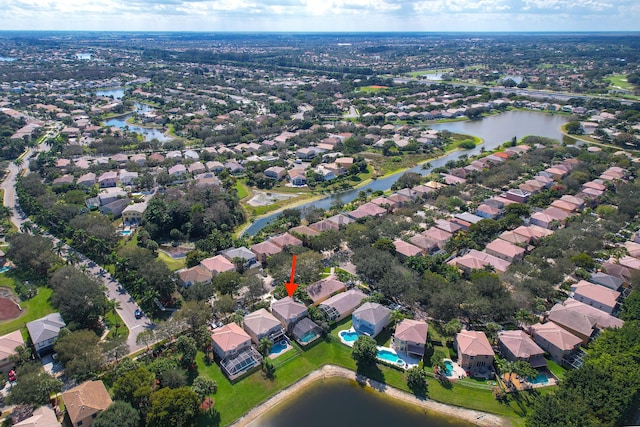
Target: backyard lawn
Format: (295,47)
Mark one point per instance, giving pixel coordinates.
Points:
(32,309)
(172,263)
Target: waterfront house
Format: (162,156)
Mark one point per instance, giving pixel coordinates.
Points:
(232,346)
(84,402)
(410,337)
(342,305)
(555,340)
(370,318)
(275,173)
(475,354)
(285,240)
(288,312)
(304,230)
(306,331)
(518,345)
(262,324)
(325,288)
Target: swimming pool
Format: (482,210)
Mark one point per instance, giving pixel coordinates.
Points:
(390,356)
(541,378)
(348,336)
(308,337)
(278,347)
(5,268)
(448,368)
(125,232)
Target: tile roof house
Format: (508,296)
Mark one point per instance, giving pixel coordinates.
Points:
(437,235)
(474,351)
(304,230)
(613,268)
(264,250)
(597,296)
(533,232)
(607,280)
(407,249)
(217,264)
(489,212)
(44,331)
(370,318)
(517,345)
(229,340)
(579,324)
(505,250)
(367,209)
(325,288)
(476,260)
(132,214)
(342,305)
(555,340)
(288,312)
(87,180)
(284,240)
(262,324)
(410,337)
(424,243)
(603,320)
(84,402)
(108,179)
(513,238)
(517,195)
(448,226)
(242,253)
(43,416)
(324,225)
(340,219)
(8,345)
(195,274)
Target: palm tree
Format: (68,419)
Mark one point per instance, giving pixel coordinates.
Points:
(396,317)
(524,318)
(59,247)
(113,305)
(26,227)
(265,345)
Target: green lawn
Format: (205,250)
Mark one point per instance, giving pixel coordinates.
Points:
(172,264)
(110,320)
(556,369)
(620,80)
(242,189)
(234,400)
(32,309)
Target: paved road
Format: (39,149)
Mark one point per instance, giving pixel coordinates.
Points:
(113,289)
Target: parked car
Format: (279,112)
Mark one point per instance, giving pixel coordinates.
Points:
(138,313)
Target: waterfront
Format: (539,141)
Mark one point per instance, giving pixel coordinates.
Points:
(121,122)
(494,131)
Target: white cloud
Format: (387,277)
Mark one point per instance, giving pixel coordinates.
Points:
(461,6)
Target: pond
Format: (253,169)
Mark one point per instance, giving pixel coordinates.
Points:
(494,130)
(116,93)
(340,402)
(147,133)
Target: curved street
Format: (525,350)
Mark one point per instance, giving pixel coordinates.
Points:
(113,289)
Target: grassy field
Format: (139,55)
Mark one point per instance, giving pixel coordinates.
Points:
(110,320)
(233,400)
(372,89)
(620,80)
(172,264)
(32,309)
(419,73)
(242,189)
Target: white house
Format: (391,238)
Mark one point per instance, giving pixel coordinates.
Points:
(370,318)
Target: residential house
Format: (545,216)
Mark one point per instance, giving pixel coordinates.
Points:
(342,305)
(43,416)
(84,402)
(218,264)
(603,320)
(370,318)
(288,312)
(406,250)
(555,340)
(297,178)
(178,172)
(437,235)
(8,345)
(195,274)
(578,323)
(366,210)
(324,225)
(44,332)
(476,260)
(87,180)
(514,238)
(613,268)
(139,159)
(215,167)
(115,208)
(548,217)
(307,153)
(505,250)
(597,296)
(518,345)
(285,240)
(120,158)
(410,337)
(132,214)
(488,212)
(275,173)
(108,179)
(448,226)
(427,245)
(109,195)
(306,331)
(468,217)
(517,195)
(341,220)
(607,280)
(533,232)
(325,288)
(262,324)
(63,180)
(232,345)
(196,168)
(264,250)
(475,354)
(304,230)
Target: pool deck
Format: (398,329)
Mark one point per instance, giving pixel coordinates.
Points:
(347,343)
(458,372)
(287,348)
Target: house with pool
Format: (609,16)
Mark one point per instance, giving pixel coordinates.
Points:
(288,312)
(370,318)
(262,324)
(325,288)
(410,337)
(475,354)
(518,345)
(232,347)
(555,340)
(342,305)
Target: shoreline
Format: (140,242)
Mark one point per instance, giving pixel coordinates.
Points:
(252,418)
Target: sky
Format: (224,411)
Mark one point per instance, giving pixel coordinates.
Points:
(321,15)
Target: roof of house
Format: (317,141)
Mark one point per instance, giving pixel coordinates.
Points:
(229,337)
(260,321)
(574,320)
(45,328)
(473,343)
(448,226)
(371,312)
(304,230)
(340,219)
(475,259)
(287,308)
(218,264)
(345,301)
(324,225)
(505,248)
(604,279)
(196,274)
(406,249)
(437,234)
(603,319)
(597,293)
(267,248)
(43,416)
(556,335)
(515,238)
(85,400)
(241,252)
(519,344)
(324,288)
(412,331)
(8,344)
(533,231)
(285,239)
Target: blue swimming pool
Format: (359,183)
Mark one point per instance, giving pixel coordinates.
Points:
(5,268)
(541,378)
(308,337)
(448,368)
(349,336)
(125,232)
(278,347)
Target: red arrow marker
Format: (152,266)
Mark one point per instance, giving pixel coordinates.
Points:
(291,287)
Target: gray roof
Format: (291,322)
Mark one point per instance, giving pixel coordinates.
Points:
(345,301)
(607,280)
(304,326)
(240,252)
(260,321)
(45,328)
(287,308)
(372,312)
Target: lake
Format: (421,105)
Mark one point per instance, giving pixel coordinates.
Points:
(494,131)
(117,93)
(338,402)
(147,133)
